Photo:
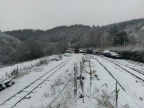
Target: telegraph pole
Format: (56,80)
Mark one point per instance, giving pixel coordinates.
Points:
(124,40)
(101,40)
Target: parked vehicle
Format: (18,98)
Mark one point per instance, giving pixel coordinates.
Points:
(69,51)
(89,51)
(94,52)
(115,55)
(110,54)
(67,55)
(82,51)
(106,52)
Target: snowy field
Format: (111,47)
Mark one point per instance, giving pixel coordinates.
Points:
(99,82)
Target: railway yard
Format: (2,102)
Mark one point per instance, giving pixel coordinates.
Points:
(74,81)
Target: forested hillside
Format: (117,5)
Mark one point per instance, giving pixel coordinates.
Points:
(8,45)
(86,36)
(37,43)
(25,34)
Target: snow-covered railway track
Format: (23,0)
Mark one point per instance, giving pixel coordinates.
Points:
(136,70)
(110,74)
(130,72)
(136,63)
(140,70)
(134,88)
(30,88)
(64,88)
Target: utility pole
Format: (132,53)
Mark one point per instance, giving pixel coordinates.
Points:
(124,40)
(101,40)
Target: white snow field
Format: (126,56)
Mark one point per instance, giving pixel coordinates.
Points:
(52,84)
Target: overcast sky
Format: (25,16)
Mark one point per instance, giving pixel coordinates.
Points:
(46,14)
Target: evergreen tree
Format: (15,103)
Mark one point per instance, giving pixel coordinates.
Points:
(120,38)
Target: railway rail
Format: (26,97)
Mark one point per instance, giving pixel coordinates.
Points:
(23,93)
(136,70)
(49,106)
(110,74)
(128,91)
(140,70)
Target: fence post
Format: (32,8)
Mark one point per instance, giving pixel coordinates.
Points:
(116,94)
(75,80)
(81,80)
(90,77)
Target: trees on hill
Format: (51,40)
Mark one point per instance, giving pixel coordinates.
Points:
(85,36)
(118,37)
(25,34)
(29,50)
(29,43)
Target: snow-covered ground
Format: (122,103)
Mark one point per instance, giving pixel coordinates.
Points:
(133,95)
(23,66)
(51,85)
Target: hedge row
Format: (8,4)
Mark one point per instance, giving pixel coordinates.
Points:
(136,55)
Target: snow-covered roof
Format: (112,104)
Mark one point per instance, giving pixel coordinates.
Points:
(106,51)
(114,53)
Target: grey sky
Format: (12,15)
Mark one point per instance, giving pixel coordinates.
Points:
(46,14)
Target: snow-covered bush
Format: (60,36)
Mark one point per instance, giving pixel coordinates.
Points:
(14,73)
(42,62)
(103,101)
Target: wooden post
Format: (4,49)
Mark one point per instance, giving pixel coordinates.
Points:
(116,95)
(90,77)
(75,80)
(81,80)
